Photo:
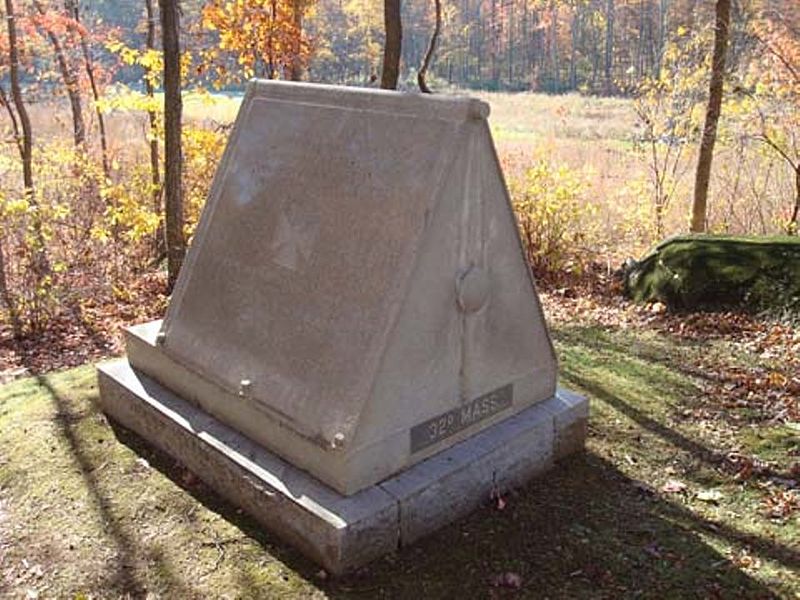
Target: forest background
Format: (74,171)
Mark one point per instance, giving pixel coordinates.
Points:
(597,112)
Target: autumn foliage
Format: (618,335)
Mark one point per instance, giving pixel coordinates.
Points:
(254,38)
(90,225)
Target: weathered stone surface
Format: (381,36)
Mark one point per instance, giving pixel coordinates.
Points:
(571,422)
(339,532)
(340,294)
(354,352)
(454,482)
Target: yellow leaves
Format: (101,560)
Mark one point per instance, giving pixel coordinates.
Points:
(127,100)
(14,207)
(60,210)
(114,46)
(129,212)
(254,37)
(151,59)
(554,211)
(100,233)
(202,150)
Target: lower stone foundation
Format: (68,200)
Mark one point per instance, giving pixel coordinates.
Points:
(339,532)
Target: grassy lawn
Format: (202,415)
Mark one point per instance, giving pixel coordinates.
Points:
(675,497)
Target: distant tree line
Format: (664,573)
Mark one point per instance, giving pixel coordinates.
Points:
(594,46)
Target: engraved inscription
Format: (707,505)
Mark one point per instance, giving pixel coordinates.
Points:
(438,428)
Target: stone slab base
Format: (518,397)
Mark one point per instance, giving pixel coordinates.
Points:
(342,533)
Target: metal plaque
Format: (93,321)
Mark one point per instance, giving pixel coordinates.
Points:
(438,428)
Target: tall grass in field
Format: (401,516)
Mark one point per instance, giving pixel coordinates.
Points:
(598,141)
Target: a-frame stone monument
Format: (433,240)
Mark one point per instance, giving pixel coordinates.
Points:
(354,352)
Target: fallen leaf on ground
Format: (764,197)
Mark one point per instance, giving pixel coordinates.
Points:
(508,580)
(780,504)
(673,486)
(712,496)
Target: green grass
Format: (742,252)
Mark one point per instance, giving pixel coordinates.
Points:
(81,512)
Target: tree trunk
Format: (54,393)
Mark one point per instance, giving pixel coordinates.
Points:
(426,62)
(609,57)
(5,293)
(554,46)
(510,44)
(703,175)
(173,107)
(662,36)
(270,42)
(72,6)
(574,32)
(13,117)
(155,175)
(40,264)
(296,65)
(70,82)
(392,47)
(795,219)
(26,146)
(493,47)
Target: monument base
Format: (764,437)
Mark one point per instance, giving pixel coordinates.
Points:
(340,532)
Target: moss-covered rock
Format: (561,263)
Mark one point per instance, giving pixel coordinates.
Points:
(710,272)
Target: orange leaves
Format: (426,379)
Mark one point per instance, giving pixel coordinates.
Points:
(781,59)
(60,25)
(261,38)
(780,504)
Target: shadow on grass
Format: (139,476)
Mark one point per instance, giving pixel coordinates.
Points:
(584,530)
(786,556)
(661,375)
(649,371)
(648,367)
(129,551)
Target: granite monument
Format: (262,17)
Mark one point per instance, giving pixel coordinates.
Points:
(354,352)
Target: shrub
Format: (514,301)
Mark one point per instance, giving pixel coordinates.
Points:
(554,214)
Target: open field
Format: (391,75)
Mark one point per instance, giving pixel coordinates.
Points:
(595,138)
(679,495)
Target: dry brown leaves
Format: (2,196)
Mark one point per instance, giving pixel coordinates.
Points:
(766,382)
(89,329)
(780,504)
